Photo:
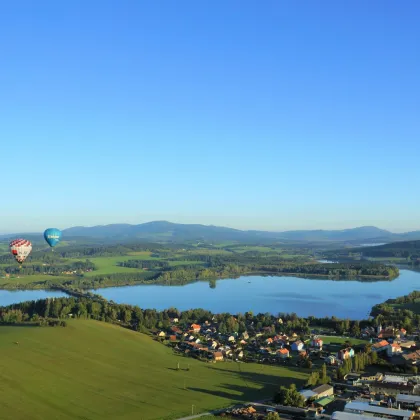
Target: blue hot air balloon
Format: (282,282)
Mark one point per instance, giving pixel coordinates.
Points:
(52,236)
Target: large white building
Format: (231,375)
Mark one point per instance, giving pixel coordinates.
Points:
(366,409)
(341,415)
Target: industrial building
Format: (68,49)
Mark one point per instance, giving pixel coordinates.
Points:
(366,409)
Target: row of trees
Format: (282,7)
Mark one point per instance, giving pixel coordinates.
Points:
(94,306)
(30,269)
(148,264)
(319,377)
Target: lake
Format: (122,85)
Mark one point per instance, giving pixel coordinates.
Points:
(318,297)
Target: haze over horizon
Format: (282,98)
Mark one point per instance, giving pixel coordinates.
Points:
(275,116)
(209,224)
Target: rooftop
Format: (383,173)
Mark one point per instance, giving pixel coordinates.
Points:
(408,398)
(362,406)
(322,388)
(380,344)
(324,401)
(341,415)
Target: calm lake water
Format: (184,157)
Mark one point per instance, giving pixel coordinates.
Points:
(16,296)
(318,297)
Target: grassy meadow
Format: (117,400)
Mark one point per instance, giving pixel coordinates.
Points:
(93,370)
(341,340)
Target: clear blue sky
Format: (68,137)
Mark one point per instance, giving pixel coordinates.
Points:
(273,115)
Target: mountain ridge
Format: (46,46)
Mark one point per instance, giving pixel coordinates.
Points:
(162,230)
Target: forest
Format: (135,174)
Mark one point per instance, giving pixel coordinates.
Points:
(98,266)
(409,250)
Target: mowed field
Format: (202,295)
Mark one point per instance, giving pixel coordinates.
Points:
(341,340)
(94,370)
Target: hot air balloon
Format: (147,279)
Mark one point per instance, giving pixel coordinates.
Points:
(52,236)
(20,248)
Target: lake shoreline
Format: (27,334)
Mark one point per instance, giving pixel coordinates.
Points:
(41,285)
(273,293)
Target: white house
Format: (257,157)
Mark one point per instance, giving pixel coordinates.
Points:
(393,350)
(317,343)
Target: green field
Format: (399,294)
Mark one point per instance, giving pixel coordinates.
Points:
(341,340)
(25,279)
(94,370)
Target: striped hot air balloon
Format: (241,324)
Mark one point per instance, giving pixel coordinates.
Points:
(20,248)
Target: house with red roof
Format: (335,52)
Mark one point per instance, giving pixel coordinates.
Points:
(196,328)
(380,346)
(282,353)
(317,343)
(394,350)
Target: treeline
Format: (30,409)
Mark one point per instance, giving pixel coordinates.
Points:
(407,249)
(78,267)
(393,312)
(144,320)
(352,270)
(148,264)
(9,316)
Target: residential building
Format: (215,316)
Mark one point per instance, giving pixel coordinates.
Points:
(380,346)
(364,408)
(352,378)
(344,354)
(407,345)
(412,358)
(283,353)
(317,343)
(394,350)
(331,360)
(389,332)
(323,391)
(218,356)
(196,328)
(297,345)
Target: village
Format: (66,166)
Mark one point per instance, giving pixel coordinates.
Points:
(388,388)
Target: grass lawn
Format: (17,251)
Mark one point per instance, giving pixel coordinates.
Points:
(341,340)
(108,265)
(93,370)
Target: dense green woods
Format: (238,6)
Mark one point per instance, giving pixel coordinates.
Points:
(408,250)
(402,312)
(133,317)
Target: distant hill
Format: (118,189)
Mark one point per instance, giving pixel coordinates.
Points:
(163,231)
(355,234)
